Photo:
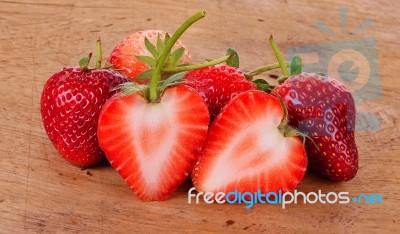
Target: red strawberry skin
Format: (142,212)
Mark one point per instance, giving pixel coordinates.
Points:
(246,151)
(123,56)
(154,146)
(70,105)
(218,85)
(323,108)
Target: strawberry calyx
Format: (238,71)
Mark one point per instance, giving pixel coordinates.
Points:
(156,50)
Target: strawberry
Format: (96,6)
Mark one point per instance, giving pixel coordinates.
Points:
(153,146)
(218,85)
(250,147)
(70,105)
(152,134)
(322,108)
(140,51)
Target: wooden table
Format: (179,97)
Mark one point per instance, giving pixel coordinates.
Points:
(40,192)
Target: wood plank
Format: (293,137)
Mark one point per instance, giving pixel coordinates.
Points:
(40,192)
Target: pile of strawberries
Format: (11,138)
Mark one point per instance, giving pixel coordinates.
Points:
(158,119)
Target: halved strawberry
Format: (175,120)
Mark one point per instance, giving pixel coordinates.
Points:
(154,145)
(250,147)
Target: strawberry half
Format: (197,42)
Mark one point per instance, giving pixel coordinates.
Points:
(250,147)
(140,51)
(153,146)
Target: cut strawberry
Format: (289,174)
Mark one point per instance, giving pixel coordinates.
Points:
(250,147)
(153,146)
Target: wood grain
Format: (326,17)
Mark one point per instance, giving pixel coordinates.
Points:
(40,192)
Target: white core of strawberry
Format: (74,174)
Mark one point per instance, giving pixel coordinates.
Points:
(148,120)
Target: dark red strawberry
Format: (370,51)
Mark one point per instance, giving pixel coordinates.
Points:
(152,134)
(323,109)
(218,85)
(140,51)
(70,105)
(250,147)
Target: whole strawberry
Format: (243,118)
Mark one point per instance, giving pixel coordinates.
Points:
(70,105)
(323,109)
(140,51)
(218,85)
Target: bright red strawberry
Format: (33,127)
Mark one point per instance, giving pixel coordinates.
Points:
(134,55)
(218,85)
(153,146)
(323,109)
(249,148)
(70,105)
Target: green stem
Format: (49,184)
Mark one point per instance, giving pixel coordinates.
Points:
(258,71)
(153,94)
(197,66)
(99,54)
(279,56)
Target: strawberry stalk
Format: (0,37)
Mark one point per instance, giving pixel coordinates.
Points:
(296,65)
(198,66)
(153,91)
(279,56)
(99,54)
(258,71)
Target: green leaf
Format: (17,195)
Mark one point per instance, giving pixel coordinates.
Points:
(234,60)
(263,85)
(129,88)
(296,66)
(160,44)
(173,80)
(84,62)
(147,59)
(146,75)
(176,56)
(150,47)
(167,37)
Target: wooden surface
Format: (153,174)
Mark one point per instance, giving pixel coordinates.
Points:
(40,192)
